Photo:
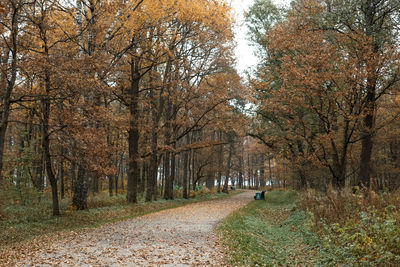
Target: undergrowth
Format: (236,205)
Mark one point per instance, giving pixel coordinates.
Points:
(355,229)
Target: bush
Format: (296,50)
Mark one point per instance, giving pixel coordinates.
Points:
(372,240)
(104,200)
(202,192)
(356,229)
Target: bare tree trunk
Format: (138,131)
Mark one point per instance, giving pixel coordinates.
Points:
(240,183)
(94,182)
(152,178)
(8,83)
(191,165)
(45,106)
(220,162)
(228,167)
(370,101)
(367,141)
(61,176)
(185,170)
(172,176)
(157,110)
(167,175)
(269,170)
(120,172)
(133,139)
(46,144)
(80,190)
(211,175)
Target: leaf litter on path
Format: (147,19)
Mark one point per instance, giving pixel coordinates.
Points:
(183,236)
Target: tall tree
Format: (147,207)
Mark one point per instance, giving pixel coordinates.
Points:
(313,90)
(10,27)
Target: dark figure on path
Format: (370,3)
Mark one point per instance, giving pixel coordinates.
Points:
(259,196)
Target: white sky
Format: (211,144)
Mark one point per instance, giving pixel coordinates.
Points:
(244,52)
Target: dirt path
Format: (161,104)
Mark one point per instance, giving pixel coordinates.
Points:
(177,237)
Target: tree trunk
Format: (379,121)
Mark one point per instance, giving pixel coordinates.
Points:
(185,172)
(371,29)
(220,162)
(367,141)
(46,152)
(133,139)
(262,177)
(191,167)
(120,172)
(45,102)
(61,177)
(241,170)
(110,162)
(167,175)
(94,181)
(156,115)
(211,175)
(210,180)
(228,167)
(269,170)
(170,156)
(110,185)
(3,129)
(8,83)
(172,176)
(80,190)
(152,178)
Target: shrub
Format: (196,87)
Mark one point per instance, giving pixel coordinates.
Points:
(356,228)
(202,192)
(372,240)
(103,199)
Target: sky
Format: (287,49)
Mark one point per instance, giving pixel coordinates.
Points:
(244,52)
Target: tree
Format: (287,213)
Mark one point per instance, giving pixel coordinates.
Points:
(10,26)
(260,19)
(313,98)
(104,90)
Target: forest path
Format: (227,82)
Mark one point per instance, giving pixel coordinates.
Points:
(183,236)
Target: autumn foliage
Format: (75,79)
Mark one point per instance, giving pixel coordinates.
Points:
(326,94)
(119,93)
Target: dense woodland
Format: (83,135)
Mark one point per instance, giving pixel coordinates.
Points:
(142,98)
(327,89)
(125,96)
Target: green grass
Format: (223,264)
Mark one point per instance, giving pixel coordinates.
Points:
(269,233)
(23,223)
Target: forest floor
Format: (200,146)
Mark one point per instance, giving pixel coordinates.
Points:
(174,237)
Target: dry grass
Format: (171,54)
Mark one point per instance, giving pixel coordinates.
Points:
(355,229)
(341,206)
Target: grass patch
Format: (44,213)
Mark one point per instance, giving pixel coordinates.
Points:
(269,233)
(23,223)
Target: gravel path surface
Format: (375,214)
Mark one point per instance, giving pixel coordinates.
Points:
(183,236)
